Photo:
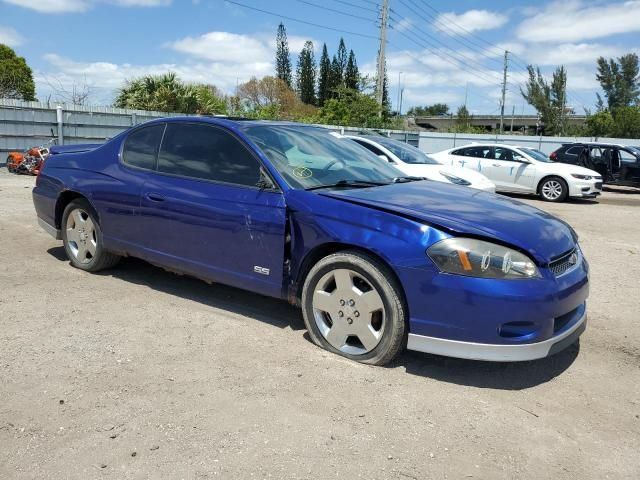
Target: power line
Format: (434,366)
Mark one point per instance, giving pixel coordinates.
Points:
(466,59)
(360,7)
(341,12)
(273,14)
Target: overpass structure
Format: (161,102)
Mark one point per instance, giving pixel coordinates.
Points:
(525,124)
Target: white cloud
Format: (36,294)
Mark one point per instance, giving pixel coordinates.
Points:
(469,21)
(65,6)
(577,20)
(9,36)
(222,46)
(51,6)
(218,58)
(573,53)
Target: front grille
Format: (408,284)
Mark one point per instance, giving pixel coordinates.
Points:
(599,185)
(565,263)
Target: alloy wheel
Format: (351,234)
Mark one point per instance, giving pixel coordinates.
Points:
(552,190)
(81,235)
(348,311)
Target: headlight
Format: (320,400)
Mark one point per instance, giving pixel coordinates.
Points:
(454,179)
(581,177)
(476,258)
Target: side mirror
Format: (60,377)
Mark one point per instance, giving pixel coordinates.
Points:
(385,158)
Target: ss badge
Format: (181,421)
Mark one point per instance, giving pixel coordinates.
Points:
(261,270)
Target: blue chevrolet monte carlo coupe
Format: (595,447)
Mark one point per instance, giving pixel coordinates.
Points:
(377,261)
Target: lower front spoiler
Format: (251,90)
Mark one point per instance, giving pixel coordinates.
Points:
(498,353)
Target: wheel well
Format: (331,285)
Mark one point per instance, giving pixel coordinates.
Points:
(548,177)
(65,199)
(321,251)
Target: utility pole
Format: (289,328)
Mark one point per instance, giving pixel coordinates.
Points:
(504,89)
(384,20)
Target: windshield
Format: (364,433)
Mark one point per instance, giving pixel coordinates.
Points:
(635,150)
(536,154)
(309,157)
(405,152)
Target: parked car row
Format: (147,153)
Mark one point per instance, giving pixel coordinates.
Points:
(617,164)
(378,258)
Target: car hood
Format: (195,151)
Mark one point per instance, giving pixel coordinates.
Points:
(465,211)
(565,168)
(434,172)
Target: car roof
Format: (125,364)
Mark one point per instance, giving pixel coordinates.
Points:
(595,144)
(504,145)
(237,122)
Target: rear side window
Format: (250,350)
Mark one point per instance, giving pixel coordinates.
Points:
(476,152)
(206,152)
(141,147)
(369,147)
(574,150)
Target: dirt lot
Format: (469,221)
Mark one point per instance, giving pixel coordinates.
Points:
(139,373)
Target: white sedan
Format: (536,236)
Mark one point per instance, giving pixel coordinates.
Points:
(414,162)
(525,170)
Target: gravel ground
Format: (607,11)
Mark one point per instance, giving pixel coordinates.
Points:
(139,373)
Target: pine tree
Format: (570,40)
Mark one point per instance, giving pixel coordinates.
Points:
(335,79)
(386,102)
(351,74)
(324,77)
(283,61)
(341,58)
(306,75)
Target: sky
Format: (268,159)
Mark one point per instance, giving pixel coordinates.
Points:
(438,51)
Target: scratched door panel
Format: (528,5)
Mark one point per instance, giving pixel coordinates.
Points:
(216,231)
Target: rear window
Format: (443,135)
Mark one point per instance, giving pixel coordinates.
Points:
(574,150)
(141,147)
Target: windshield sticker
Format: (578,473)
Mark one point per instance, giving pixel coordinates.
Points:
(302,172)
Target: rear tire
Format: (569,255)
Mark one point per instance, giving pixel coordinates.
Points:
(353,306)
(553,189)
(82,238)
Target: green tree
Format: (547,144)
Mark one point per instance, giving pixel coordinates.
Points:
(16,78)
(600,124)
(627,122)
(336,77)
(167,93)
(341,58)
(463,118)
(620,80)
(351,108)
(306,75)
(429,110)
(324,77)
(283,61)
(548,99)
(351,73)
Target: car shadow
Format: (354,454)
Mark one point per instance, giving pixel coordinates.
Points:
(577,201)
(502,376)
(621,190)
(265,309)
(495,375)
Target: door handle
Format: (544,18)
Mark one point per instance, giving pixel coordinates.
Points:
(154,197)
(496,165)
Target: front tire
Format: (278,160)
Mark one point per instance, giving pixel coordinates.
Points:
(554,189)
(352,305)
(82,238)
